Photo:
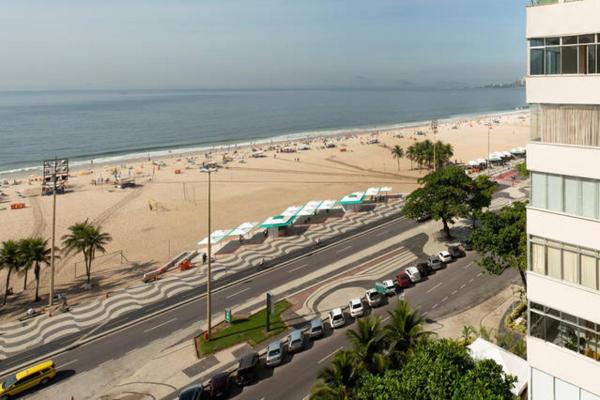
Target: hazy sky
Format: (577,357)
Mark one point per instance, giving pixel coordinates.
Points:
(258,43)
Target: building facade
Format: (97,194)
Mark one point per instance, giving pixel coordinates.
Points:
(563,217)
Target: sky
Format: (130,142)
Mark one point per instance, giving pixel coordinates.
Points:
(136,44)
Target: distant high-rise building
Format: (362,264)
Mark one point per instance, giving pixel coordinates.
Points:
(563,218)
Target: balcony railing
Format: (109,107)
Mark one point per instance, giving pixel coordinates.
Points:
(546,2)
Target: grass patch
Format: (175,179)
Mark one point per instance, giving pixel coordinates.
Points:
(251,329)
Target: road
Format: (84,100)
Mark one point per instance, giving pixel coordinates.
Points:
(458,287)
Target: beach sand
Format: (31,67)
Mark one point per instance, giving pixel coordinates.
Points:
(246,189)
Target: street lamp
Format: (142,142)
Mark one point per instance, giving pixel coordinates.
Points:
(488,145)
(209,272)
(56,174)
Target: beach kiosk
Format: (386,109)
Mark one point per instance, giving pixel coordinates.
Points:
(279,224)
(353,201)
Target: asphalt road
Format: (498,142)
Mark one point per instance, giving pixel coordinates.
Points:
(458,287)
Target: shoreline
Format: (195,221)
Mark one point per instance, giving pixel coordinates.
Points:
(156,155)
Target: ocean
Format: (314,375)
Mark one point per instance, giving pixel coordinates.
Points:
(114,125)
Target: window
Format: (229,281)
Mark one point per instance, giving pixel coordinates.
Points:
(552,58)
(570,266)
(555,41)
(554,261)
(547,387)
(555,192)
(591,59)
(537,62)
(565,391)
(542,385)
(538,190)
(572,195)
(538,258)
(588,396)
(536,42)
(566,55)
(587,39)
(589,199)
(566,194)
(569,40)
(589,271)
(569,59)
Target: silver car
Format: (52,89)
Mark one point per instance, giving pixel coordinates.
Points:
(315,329)
(295,341)
(274,354)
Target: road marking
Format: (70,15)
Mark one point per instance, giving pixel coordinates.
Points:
(382,233)
(462,286)
(434,306)
(160,325)
(468,265)
(435,287)
(385,319)
(471,280)
(425,314)
(344,249)
(454,292)
(297,268)
(240,292)
(444,299)
(67,363)
(329,355)
(479,274)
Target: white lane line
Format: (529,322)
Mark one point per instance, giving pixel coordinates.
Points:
(454,292)
(382,233)
(329,355)
(479,274)
(385,319)
(468,265)
(160,325)
(344,249)
(297,268)
(444,299)
(435,287)
(434,306)
(425,314)
(471,280)
(462,286)
(240,292)
(61,366)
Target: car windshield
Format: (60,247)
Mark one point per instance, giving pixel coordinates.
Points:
(356,305)
(336,317)
(274,353)
(9,381)
(316,329)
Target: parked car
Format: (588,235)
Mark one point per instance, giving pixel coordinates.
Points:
(356,308)
(413,274)
(402,280)
(374,298)
(336,318)
(218,386)
(295,341)
(390,287)
(424,269)
(315,329)
(247,369)
(424,217)
(455,250)
(467,244)
(444,256)
(435,263)
(34,376)
(274,354)
(194,392)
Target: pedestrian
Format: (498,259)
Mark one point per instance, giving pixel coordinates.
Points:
(204,258)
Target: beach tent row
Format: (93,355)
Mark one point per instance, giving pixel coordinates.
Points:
(498,156)
(217,237)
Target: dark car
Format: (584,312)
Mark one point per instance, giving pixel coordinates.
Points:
(247,372)
(435,263)
(219,385)
(455,250)
(423,218)
(467,244)
(402,280)
(424,269)
(194,392)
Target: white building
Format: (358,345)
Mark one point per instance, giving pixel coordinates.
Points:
(563,218)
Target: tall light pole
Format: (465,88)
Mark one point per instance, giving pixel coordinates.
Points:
(53,171)
(488,145)
(208,275)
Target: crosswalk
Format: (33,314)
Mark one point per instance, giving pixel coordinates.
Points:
(399,259)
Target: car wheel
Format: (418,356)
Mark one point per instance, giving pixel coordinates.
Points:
(44,381)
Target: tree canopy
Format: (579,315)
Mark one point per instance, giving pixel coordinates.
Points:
(501,240)
(426,153)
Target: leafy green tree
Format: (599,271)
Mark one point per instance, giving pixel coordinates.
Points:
(86,239)
(11,259)
(429,154)
(443,195)
(398,153)
(522,169)
(36,253)
(485,381)
(368,344)
(403,332)
(481,195)
(501,240)
(338,381)
(382,387)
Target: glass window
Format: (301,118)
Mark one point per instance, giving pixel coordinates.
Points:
(570,261)
(538,190)
(554,259)
(553,41)
(536,326)
(589,271)
(572,195)
(569,40)
(536,42)
(555,193)
(591,58)
(542,385)
(552,60)
(569,60)
(588,197)
(565,391)
(586,39)
(538,258)
(583,64)
(536,62)
(588,396)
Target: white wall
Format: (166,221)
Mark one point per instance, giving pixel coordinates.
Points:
(570,18)
(564,89)
(564,364)
(563,296)
(564,228)
(574,160)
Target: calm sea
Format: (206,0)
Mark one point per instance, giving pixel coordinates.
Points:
(105,125)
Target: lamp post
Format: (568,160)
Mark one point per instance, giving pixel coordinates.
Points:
(209,272)
(488,145)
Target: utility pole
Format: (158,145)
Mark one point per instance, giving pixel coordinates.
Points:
(434,128)
(488,145)
(208,276)
(52,249)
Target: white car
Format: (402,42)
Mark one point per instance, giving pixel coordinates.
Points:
(336,318)
(444,256)
(374,298)
(390,287)
(356,308)
(413,274)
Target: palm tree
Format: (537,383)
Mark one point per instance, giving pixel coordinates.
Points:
(403,332)
(86,238)
(398,153)
(36,253)
(339,380)
(10,258)
(368,344)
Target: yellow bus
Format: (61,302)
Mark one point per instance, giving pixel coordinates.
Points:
(27,379)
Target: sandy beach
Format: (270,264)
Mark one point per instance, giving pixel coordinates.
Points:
(166,213)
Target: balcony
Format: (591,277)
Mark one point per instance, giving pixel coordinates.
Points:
(547,18)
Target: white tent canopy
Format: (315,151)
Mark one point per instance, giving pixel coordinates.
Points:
(310,208)
(373,191)
(215,238)
(385,189)
(328,205)
(243,229)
